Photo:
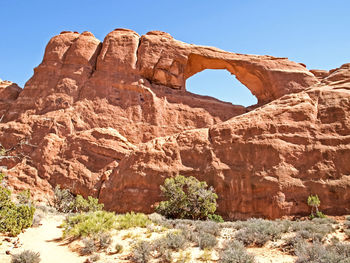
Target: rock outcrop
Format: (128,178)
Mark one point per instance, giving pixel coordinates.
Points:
(114,119)
(8,93)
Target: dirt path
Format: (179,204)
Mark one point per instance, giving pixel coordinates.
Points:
(42,239)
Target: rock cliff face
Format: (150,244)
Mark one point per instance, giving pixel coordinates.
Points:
(114,119)
(8,93)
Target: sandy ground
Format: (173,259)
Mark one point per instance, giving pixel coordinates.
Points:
(44,239)
(265,255)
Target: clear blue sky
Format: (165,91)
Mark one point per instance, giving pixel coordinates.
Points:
(313,32)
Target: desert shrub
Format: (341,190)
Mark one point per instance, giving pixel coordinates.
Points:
(118,248)
(63,200)
(317,253)
(2,151)
(159,245)
(89,246)
(88,224)
(27,256)
(104,240)
(315,229)
(206,240)
(216,218)
(38,216)
(347,220)
(94,258)
(24,197)
(186,197)
(172,240)
(208,227)
(157,219)
(235,252)
(86,205)
(45,209)
(283,225)
(324,221)
(188,232)
(259,231)
(167,256)
(206,255)
(290,244)
(315,202)
(342,249)
(318,214)
(347,226)
(228,224)
(175,240)
(66,202)
(132,219)
(13,218)
(141,251)
(184,257)
(347,232)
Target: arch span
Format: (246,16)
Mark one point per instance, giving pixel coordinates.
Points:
(163,60)
(222,85)
(254,76)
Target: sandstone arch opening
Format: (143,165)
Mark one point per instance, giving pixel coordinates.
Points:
(221,85)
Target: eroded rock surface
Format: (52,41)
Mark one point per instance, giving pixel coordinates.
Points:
(8,93)
(114,119)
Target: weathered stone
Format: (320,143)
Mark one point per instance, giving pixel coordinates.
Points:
(114,119)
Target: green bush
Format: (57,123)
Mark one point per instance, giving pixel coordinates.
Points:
(216,218)
(318,214)
(26,256)
(66,202)
(132,219)
(87,205)
(315,202)
(235,252)
(186,197)
(88,224)
(13,218)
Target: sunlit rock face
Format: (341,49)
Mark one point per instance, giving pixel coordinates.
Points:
(113,119)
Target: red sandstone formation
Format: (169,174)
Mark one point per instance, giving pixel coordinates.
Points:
(8,93)
(114,119)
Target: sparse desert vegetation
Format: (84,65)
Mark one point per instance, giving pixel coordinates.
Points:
(14,217)
(94,235)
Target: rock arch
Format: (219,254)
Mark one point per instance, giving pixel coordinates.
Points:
(268,78)
(222,85)
(169,62)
